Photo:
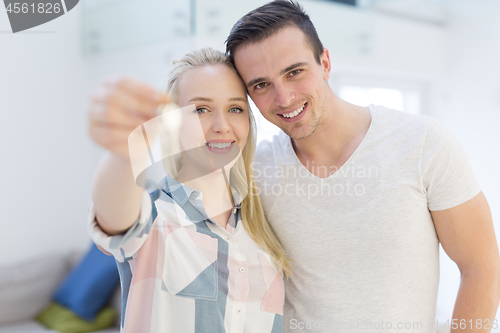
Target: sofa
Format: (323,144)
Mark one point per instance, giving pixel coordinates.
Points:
(28,287)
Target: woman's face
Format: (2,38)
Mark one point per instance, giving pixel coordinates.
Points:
(219,123)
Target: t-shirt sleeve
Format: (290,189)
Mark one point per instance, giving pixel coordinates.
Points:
(447,175)
(125,245)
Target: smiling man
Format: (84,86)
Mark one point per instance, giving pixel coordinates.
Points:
(360,197)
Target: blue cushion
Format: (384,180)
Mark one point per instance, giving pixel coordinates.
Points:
(89,286)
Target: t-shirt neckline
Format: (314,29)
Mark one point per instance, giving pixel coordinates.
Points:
(372,109)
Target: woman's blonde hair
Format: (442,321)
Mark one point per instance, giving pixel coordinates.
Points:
(241,174)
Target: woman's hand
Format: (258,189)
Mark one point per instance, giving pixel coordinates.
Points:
(118,106)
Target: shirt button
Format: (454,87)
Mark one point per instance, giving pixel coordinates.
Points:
(228,239)
(242,269)
(238,311)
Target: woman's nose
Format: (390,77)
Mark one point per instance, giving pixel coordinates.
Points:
(221,123)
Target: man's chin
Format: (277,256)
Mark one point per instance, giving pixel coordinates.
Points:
(299,133)
(304,131)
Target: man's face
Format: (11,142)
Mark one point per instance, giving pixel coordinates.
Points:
(285,81)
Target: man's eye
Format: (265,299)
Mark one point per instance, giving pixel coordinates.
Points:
(236,110)
(201,110)
(295,72)
(260,85)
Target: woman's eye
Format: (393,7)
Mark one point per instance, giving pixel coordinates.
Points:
(201,110)
(236,110)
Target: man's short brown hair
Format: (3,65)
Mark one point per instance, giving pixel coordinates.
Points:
(266,21)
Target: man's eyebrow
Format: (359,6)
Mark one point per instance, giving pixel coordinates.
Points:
(201,99)
(289,68)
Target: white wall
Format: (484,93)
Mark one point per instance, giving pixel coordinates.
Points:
(46,159)
(383,44)
(467,101)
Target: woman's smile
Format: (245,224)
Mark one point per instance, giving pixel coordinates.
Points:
(220,146)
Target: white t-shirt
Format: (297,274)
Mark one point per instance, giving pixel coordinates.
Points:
(362,241)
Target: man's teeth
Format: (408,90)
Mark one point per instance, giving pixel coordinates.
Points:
(294,113)
(220,145)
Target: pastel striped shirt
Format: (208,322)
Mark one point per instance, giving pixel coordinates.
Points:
(182,272)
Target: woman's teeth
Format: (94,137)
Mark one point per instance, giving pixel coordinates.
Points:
(220,145)
(294,113)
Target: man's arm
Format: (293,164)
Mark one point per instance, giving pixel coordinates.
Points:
(467,235)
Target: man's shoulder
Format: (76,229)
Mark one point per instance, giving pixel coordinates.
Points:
(388,116)
(395,124)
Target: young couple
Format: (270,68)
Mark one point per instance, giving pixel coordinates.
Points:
(195,255)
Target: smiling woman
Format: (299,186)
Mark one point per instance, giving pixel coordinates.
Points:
(201,245)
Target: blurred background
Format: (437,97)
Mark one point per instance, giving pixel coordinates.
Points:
(432,57)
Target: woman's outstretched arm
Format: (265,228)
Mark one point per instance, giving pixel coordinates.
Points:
(118,107)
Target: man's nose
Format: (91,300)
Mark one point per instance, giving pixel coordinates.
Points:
(283,95)
(221,123)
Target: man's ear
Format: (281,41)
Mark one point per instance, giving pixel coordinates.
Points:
(326,63)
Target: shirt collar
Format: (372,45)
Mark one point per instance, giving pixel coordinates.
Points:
(182,193)
(179,192)
(236,197)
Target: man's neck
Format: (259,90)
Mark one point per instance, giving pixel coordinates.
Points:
(340,131)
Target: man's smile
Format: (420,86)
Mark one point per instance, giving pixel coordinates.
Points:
(294,115)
